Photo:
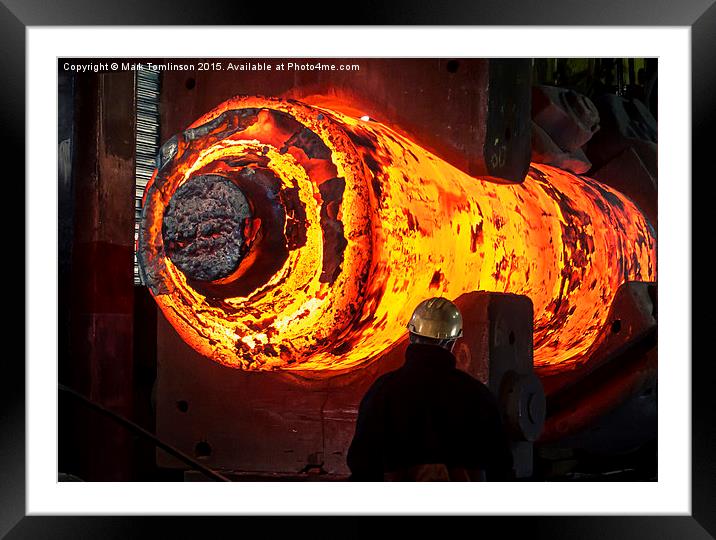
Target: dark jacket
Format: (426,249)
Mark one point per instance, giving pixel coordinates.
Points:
(428,412)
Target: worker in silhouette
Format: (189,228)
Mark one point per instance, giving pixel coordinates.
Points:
(427,420)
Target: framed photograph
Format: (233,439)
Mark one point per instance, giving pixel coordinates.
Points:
(293,262)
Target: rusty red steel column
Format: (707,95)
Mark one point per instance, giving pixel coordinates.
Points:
(100,362)
(279,235)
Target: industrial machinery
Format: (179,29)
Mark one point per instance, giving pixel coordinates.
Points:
(287,241)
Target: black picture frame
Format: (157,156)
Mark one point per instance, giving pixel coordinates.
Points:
(16,15)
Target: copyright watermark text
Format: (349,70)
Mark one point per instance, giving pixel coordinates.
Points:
(227,65)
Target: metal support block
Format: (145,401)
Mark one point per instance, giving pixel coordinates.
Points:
(497,349)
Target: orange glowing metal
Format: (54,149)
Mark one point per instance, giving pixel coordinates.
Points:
(413,227)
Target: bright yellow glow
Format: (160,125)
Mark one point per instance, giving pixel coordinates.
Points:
(415,227)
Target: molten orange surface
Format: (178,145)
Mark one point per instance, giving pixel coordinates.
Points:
(415,227)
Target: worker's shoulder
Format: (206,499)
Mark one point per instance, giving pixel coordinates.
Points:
(472,385)
(384,379)
(379,384)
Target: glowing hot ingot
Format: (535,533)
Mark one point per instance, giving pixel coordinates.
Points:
(373,225)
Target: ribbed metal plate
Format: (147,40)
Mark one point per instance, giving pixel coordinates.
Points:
(147,88)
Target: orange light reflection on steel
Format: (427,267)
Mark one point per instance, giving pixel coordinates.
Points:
(415,227)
